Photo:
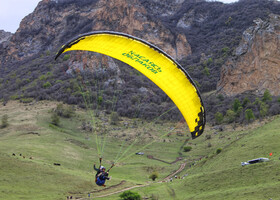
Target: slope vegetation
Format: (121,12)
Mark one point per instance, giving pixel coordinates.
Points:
(31,174)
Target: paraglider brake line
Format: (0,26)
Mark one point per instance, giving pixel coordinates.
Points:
(100,160)
(113,164)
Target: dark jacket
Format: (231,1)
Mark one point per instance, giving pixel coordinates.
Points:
(98,170)
(103,176)
(99,173)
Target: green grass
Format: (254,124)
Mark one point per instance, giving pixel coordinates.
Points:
(210,175)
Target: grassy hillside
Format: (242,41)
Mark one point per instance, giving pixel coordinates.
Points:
(210,175)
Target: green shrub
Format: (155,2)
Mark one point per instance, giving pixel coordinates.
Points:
(225,50)
(114,118)
(187,148)
(266,96)
(18,83)
(68,112)
(263,109)
(58,81)
(100,100)
(4,121)
(42,78)
(245,102)
(249,115)
(257,102)
(239,111)
(49,74)
(230,116)
(66,57)
(228,20)
(55,119)
(219,150)
(154,176)
(220,97)
(236,105)
(26,100)
(206,71)
(27,80)
(128,195)
(219,117)
(59,109)
(47,84)
(14,97)
(210,61)
(64,111)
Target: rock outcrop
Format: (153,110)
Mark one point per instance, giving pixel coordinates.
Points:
(256,64)
(5,36)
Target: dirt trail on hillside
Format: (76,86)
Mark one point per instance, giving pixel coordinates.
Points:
(182,166)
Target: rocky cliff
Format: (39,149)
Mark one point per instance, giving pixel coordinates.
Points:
(256,64)
(54,22)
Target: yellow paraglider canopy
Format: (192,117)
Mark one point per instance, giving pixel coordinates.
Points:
(153,63)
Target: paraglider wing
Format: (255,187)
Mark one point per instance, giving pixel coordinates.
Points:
(154,64)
